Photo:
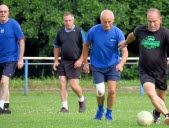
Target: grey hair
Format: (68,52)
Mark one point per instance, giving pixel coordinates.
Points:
(4,6)
(154,10)
(105,11)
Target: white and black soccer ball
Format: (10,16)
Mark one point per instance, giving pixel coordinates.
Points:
(144,118)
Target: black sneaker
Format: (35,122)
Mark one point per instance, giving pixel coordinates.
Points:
(82,106)
(1,111)
(156,117)
(6,111)
(63,110)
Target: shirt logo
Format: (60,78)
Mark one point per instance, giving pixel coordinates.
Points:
(2,30)
(112,40)
(150,43)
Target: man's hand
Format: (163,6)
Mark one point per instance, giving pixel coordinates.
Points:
(122,45)
(86,68)
(119,68)
(55,65)
(20,63)
(78,63)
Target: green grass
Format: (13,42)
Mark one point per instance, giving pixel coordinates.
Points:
(39,110)
(47,83)
(50,83)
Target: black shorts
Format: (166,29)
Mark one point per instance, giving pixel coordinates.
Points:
(159,80)
(66,68)
(8,68)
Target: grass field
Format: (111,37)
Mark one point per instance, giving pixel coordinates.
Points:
(49,83)
(40,110)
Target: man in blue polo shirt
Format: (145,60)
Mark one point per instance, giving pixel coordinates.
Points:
(105,60)
(12,47)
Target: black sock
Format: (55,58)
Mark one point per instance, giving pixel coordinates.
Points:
(157,114)
(167,115)
(6,106)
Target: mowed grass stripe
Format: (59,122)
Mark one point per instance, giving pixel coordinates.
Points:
(40,110)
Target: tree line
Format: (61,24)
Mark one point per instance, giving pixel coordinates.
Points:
(40,19)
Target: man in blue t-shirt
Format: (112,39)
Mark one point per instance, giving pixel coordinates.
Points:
(12,48)
(105,60)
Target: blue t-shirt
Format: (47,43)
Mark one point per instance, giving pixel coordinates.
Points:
(104,45)
(10,34)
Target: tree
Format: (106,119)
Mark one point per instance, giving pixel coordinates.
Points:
(41,19)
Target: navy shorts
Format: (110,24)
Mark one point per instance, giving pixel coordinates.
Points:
(159,80)
(8,68)
(105,74)
(66,68)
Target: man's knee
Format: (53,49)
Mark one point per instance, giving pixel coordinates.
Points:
(4,80)
(100,89)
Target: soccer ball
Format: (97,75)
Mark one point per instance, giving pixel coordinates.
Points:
(144,118)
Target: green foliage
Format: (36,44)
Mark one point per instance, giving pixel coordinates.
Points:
(130,72)
(138,9)
(41,19)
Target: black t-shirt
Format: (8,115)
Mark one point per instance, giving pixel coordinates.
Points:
(71,43)
(152,49)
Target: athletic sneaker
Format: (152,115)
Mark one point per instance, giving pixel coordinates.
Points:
(63,110)
(99,115)
(1,111)
(82,106)
(6,111)
(108,117)
(166,121)
(156,118)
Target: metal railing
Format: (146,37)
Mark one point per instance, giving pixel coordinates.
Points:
(27,59)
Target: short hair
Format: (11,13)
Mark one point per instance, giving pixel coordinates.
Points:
(5,6)
(67,14)
(104,12)
(154,10)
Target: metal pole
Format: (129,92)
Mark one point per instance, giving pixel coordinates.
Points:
(26,78)
(141,90)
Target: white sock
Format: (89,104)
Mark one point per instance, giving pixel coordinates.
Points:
(65,104)
(6,101)
(2,104)
(81,99)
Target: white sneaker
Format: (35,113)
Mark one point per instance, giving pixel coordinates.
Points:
(157,120)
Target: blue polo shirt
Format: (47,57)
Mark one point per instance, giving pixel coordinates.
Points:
(10,34)
(104,45)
